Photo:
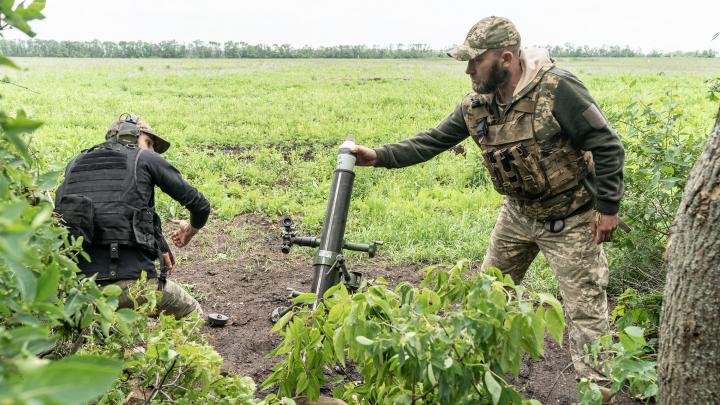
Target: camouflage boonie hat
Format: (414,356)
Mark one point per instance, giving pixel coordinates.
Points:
(131,124)
(489,33)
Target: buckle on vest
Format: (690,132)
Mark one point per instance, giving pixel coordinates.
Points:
(114,252)
(554,225)
(114,256)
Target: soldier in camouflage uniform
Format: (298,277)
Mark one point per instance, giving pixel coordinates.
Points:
(550,152)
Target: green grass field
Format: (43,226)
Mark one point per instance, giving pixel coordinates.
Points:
(261,135)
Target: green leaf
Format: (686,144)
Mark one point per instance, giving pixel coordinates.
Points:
(19,17)
(339,345)
(72,380)
(112,290)
(302,384)
(127,315)
(554,317)
(282,321)
(42,217)
(25,280)
(538,328)
(33,339)
(13,127)
(48,284)
(493,387)
(635,332)
(364,341)
(431,375)
(650,391)
(12,211)
(305,298)
(5,61)
(48,181)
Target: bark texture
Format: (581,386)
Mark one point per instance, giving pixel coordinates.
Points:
(689,354)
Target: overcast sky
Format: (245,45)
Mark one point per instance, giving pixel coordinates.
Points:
(662,25)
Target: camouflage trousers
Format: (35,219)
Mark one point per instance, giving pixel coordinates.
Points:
(577,261)
(174,301)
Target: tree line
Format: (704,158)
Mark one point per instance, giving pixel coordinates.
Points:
(232,50)
(570,50)
(202,49)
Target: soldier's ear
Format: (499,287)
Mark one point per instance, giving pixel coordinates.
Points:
(506,56)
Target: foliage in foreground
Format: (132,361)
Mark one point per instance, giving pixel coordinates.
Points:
(628,357)
(166,359)
(42,303)
(456,339)
(661,149)
(62,341)
(61,338)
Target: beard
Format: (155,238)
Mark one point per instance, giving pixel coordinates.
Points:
(496,78)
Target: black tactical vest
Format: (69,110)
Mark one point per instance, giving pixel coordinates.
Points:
(99,199)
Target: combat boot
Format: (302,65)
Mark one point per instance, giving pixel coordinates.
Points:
(607,395)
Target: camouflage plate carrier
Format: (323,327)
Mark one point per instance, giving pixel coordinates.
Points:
(523,148)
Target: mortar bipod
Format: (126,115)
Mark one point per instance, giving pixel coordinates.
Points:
(290,239)
(351,279)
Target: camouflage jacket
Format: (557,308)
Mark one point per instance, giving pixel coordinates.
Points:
(569,102)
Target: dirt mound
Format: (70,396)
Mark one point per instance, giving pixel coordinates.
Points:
(236,268)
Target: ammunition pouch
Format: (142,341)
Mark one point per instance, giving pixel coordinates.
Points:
(78,217)
(143,230)
(516,172)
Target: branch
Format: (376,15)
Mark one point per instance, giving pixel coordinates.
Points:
(162,381)
(7,81)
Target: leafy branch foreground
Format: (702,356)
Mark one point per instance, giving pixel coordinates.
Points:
(62,338)
(458,338)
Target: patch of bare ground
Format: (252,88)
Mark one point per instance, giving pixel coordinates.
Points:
(237,269)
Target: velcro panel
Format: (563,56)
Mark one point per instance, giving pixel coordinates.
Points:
(111,174)
(93,185)
(99,166)
(594,117)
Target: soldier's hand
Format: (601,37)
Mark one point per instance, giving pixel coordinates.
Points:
(168,262)
(365,156)
(603,226)
(184,234)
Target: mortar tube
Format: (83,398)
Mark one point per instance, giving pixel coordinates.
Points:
(333,232)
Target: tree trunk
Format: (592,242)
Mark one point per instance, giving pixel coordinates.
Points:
(689,355)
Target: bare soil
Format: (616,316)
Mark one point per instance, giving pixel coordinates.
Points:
(236,268)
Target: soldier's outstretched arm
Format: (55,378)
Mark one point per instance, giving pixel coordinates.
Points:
(170,181)
(424,145)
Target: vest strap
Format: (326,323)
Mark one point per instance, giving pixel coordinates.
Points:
(114,258)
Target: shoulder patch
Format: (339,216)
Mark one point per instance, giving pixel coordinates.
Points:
(594,117)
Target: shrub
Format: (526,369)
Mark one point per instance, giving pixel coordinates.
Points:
(660,151)
(456,339)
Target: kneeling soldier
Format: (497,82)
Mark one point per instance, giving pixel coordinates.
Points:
(108,198)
